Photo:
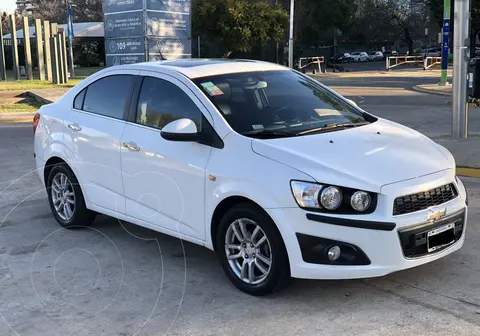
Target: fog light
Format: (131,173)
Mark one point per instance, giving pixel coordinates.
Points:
(334,253)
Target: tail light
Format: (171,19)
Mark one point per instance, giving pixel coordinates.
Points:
(36,119)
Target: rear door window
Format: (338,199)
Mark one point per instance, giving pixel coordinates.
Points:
(110,96)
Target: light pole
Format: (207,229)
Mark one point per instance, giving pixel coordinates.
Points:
(461,46)
(290,40)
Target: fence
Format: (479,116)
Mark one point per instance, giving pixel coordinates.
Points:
(427,62)
(312,63)
(431,61)
(49,45)
(402,60)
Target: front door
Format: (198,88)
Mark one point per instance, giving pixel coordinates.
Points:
(164,181)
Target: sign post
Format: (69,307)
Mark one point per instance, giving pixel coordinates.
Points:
(146,30)
(71,36)
(446,31)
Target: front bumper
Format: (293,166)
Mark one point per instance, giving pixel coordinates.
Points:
(383,246)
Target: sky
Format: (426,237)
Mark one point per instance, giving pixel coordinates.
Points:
(7,5)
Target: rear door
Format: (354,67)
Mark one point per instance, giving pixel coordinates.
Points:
(95,125)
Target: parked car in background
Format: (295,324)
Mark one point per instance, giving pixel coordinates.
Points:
(358,56)
(341,58)
(278,174)
(375,56)
(431,52)
(388,53)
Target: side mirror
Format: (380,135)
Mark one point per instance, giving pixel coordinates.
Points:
(352,102)
(180,130)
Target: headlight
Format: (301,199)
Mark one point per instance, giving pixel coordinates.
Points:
(306,194)
(331,198)
(360,201)
(335,199)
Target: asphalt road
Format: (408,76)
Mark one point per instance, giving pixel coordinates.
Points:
(117,279)
(391,96)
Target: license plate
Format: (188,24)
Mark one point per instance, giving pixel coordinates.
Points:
(440,237)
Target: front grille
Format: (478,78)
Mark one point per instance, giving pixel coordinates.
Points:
(424,200)
(414,240)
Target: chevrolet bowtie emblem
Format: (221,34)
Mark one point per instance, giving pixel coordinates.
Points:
(436,215)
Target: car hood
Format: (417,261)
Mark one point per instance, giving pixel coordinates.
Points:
(366,157)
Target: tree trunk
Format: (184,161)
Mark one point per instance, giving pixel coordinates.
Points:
(227,54)
(408,40)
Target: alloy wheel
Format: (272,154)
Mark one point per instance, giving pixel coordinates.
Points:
(248,251)
(63,196)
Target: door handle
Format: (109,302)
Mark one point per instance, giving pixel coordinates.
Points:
(74,127)
(131,146)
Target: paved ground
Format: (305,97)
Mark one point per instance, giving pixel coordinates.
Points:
(116,279)
(392,97)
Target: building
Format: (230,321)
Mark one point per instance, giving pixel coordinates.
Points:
(24,7)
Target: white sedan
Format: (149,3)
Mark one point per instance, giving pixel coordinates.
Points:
(359,56)
(278,174)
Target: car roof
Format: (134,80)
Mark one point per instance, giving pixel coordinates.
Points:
(196,67)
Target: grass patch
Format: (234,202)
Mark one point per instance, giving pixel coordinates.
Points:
(25,106)
(35,84)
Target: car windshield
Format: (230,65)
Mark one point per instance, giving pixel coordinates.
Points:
(355,53)
(372,52)
(280,103)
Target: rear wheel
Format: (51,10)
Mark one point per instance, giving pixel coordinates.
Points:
(251,251)
(66,198)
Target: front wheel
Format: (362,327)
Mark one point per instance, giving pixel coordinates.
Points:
(251,251)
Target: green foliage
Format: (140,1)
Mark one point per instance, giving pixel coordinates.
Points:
(314,17)
(238,24)
(436,9)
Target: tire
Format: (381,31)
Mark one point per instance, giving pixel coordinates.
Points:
(79,215)
(278,273)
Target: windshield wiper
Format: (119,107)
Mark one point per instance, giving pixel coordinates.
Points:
(332,127)
(265,133)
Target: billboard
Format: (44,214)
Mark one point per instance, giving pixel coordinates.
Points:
(143,30)
(164,48)
(124,24)
(164,24)
(178,6)
(124,59)
(115,6)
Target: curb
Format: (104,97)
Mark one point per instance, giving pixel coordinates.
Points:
(438,93)
(468,172)
(25,119)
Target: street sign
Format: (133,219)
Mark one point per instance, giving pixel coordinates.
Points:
(71,34)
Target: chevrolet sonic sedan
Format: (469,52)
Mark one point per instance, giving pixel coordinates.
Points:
(278,174)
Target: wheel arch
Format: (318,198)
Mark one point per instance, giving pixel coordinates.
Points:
(224,206)
(51,162)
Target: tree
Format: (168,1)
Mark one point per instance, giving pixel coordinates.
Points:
(315,17)
(238,25)
(392,20)
(6,22)
(82,10)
